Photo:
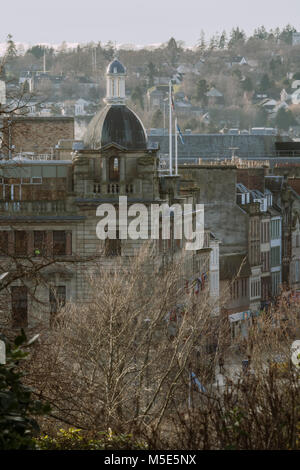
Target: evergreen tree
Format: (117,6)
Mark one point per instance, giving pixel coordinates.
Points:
(17,404)
(11,50)
(151,73)
(157,119)
(247,84)
(265,83)
(222,40)
(37,51)
(137,96)
(260,33)
(201,90)
(287,34)
(284,119)
(201,44)
(172,51)
(237,35)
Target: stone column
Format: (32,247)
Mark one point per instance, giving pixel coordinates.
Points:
(122,175)
(103,176)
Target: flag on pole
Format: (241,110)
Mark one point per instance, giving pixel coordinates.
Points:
(171,95)
(180,134)
(172,100)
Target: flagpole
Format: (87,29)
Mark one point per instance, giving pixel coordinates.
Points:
(170,128)
(176,147)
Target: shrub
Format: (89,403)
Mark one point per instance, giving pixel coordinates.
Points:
(17,407)
(74,439)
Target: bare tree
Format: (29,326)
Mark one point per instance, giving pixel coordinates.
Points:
(121,359)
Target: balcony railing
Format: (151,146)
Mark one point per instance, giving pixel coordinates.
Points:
(32,207)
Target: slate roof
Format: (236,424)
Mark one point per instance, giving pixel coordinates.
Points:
(218,145)
(116,124)
(116,67)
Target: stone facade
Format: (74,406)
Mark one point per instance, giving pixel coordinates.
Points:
(34,134)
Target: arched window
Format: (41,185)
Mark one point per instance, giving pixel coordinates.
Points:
(114,169)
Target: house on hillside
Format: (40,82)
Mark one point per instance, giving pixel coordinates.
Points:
(237,60)
(214,96)
(296,39)
(156,96)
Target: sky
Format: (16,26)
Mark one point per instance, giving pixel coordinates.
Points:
(138,22)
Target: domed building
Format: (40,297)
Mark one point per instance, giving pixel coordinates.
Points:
(115,159)
(116,123)
(58,204)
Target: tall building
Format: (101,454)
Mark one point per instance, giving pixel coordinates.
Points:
(48,210)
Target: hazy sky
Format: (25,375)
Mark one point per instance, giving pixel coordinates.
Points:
(138,21)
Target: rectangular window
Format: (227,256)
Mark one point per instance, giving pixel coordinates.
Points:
(234,290)
(36,180)
(19,306)
(275,229)
(264,232)
(265,261)
(275,256)
(114,169)
(39,243)
(20,242)
(275,283)
(3,242)
(244,287)
(59,242)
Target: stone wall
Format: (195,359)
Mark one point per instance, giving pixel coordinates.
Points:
(222,216)
(36,134)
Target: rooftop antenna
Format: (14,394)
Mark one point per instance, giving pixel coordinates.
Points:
(94,59)
(44,67)
(233,151)
(170,130)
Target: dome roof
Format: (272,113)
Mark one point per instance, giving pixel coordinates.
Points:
(116,67)
(116,124)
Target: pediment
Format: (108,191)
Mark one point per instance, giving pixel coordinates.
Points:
(112,146)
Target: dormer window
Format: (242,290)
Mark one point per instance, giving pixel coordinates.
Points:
(114,169)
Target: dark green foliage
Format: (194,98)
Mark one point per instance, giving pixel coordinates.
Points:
(172,52)
(17,406)
(260,33)
(287,34)
(247,84)
(36,51)
(202,89)
(284,119)
(265,83)
(11,51)
(151,70)
(157,119)
(137,96)
(237,36)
